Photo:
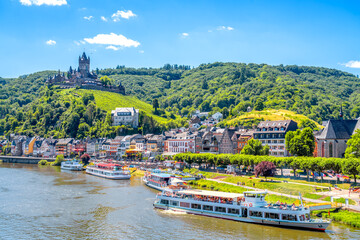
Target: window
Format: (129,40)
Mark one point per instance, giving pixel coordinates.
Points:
(289,217)
(255,214)
(196,206)
(330,150)
(208,208)
(174,203)
(233,211)
(272,215)
(220,209)
(163,201)
(184,204)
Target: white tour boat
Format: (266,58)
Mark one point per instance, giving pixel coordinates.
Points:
(109,171)
(161,181)
(71,165)
(249,207)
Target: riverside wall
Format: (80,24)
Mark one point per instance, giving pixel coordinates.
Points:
(26,160)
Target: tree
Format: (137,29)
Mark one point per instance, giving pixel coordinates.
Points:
(254,147)
(85,158)
(353,146)
(204,85)
(308,123)
(155,104)
(59,158)
(265,169)
(225,112)
(259,105)
(350,166)
(300,143)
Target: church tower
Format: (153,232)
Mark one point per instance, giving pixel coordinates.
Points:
(84,65)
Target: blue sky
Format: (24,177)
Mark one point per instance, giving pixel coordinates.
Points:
(40,35)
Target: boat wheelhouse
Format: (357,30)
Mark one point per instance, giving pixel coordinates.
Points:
(109,171)
(73,165)
(249,207)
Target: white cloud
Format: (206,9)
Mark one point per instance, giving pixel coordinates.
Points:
(51,42)
(122,14)
(43,2)
(77,43)
(223,28)
(88,18)
(184,35)
(112,39)
(352,64)
(82,42)
(104,18)
(113,48)
(141,51)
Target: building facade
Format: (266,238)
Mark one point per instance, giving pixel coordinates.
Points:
(125,116)
(273,133)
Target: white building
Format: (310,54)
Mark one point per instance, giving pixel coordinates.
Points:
(217,116)
(179,145)
(125,116)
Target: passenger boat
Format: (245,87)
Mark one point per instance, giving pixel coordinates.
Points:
(73,165)
(161,181)
(109,171)
(249,207)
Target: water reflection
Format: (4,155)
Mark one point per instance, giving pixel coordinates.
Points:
(45,203)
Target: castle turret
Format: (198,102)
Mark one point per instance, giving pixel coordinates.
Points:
(84,65)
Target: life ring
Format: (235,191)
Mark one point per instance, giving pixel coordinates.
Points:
(250,204)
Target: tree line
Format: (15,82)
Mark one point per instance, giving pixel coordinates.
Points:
(318,165)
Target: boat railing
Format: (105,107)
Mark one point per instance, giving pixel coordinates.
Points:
(198,199)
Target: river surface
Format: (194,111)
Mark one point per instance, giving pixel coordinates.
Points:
(41,202)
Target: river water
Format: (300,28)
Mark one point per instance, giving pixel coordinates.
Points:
(41,202)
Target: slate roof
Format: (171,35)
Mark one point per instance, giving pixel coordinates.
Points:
(339,129)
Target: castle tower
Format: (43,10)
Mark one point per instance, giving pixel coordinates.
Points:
(84,65)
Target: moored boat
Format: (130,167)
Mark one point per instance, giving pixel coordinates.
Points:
(161,181)
(249,207)
(73,165)
(109,171)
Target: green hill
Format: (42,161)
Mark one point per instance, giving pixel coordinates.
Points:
(29,106)
(109,101)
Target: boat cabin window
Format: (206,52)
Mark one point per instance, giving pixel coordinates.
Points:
(208,208)
(302,218)
(220,209)
(255,195)
(289,217)
(272,215)
(307,216)
(174,203)
(163,201)
(255,214)
(233,211)
(196,206)
(184,204)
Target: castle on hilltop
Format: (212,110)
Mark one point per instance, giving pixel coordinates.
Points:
(83,78)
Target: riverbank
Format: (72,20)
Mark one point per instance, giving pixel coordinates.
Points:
(342,216)
(286,186)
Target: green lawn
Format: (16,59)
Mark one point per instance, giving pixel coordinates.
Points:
(277,186)
(223,187)
(109,101)
(342,216)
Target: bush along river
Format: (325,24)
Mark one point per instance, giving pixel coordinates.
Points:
(41,202)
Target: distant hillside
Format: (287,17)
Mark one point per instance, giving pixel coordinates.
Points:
(29,106)
(315,92)
(254,117)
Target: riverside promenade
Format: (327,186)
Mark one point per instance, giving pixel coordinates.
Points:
(26,160)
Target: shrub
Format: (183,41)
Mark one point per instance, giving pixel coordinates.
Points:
(58,160)
(43,162)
